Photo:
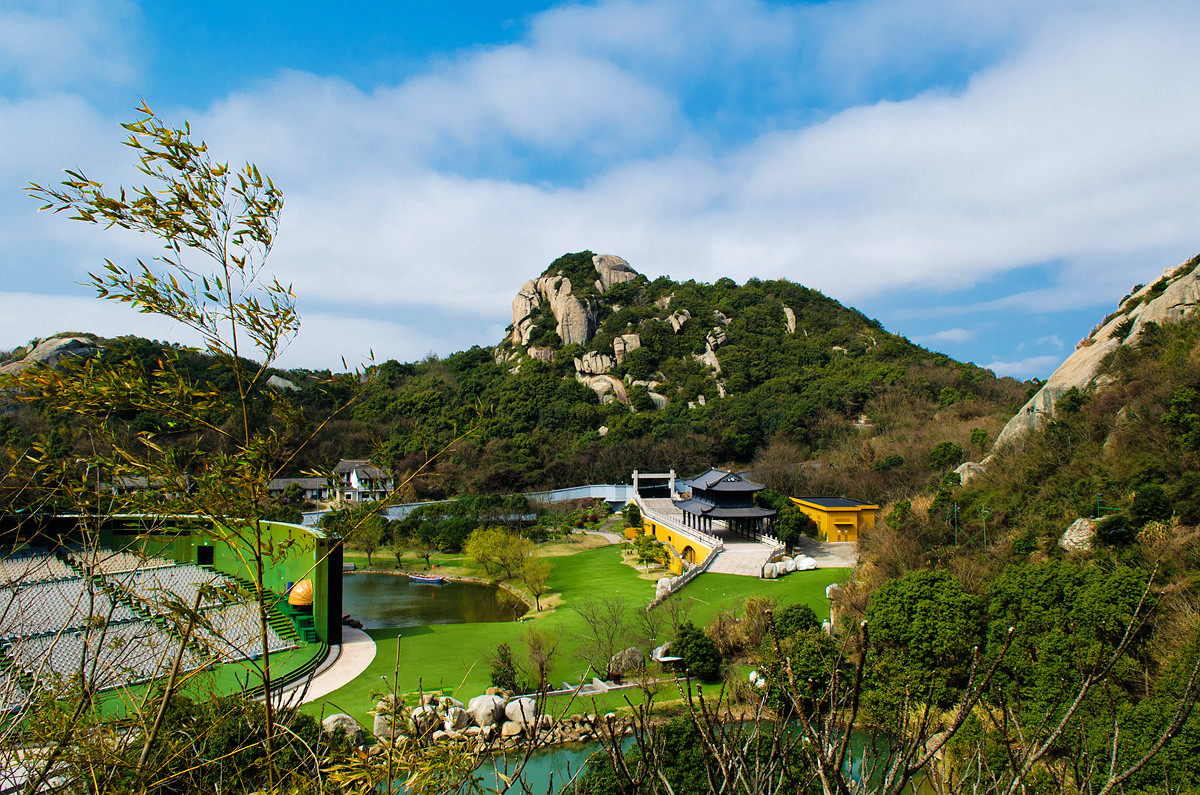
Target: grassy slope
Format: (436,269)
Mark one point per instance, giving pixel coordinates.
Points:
(452,656)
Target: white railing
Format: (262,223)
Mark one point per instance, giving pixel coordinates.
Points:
(699,536)
(685,578)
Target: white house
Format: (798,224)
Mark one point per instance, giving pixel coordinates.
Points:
(358,481)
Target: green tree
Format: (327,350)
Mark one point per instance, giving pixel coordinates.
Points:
(536,573)
(650,551)
(979,438)
(698,652)
(945,455)
(924,627)
(485,545)
(794,523)
(796,618)
(1150,504)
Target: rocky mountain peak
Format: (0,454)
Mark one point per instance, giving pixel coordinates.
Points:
(54,350)
(1171,299)
(561,299)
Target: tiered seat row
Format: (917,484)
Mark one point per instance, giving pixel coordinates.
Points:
(154,588)
(33,567)
(52,606)
(235,633)
(120,654)
(107,561)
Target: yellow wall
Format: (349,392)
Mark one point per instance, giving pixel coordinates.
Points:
(839,524)
(678,542)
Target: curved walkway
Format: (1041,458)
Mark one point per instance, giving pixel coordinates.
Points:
(344,664)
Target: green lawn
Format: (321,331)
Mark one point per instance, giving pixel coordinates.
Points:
(453,656)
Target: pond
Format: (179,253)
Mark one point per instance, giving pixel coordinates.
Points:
(386,601)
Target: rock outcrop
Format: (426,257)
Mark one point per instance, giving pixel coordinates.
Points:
(53,351)
(625,343)
(612,270)
(678,318)
(1169,300)
(575,322)
(606,387)
(790,319)
(526,299)
(593,363)
(1078,537)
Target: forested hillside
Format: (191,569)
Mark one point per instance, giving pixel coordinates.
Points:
(834,402)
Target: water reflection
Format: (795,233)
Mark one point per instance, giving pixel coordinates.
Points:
(385,601)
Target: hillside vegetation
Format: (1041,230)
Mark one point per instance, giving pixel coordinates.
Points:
(838,405)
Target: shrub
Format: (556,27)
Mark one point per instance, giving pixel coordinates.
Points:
(1115,529)
(795,619)
(504,669)
(1150,503)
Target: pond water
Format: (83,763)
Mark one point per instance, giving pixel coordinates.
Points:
(385,601)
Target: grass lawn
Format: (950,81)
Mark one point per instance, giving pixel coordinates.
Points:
(453,656)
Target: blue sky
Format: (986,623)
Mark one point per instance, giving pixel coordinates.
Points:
(985,178)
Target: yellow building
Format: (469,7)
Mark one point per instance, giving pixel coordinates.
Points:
(682,547)
(837,518)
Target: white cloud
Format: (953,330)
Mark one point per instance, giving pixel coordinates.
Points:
(1024,368)
(1076,148)
(951,335)
(1053,340)
(53,43)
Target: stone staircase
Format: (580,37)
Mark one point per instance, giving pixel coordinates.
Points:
(741,557)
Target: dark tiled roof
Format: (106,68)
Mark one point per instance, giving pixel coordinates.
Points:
(361,466)
(702,508)
(720,480)
(836,502)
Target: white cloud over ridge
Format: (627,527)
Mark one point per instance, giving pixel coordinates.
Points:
(1076,146)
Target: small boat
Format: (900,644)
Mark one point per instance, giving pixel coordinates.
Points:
(431,579)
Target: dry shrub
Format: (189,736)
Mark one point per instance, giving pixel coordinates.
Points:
(754,624)
(888,553)
(723,630)
(920,505)
(850,604)
(973,572)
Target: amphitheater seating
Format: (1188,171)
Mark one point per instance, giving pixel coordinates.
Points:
(153,588)
(108,561)
(55,622)
(235,634)
(30,567)
(52,606)
(121,654)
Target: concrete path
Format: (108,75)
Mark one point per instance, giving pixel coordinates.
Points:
(344,663)
(835,554)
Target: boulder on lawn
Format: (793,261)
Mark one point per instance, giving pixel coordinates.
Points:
(486,710)
(349,725)
(384,728)
(626,660)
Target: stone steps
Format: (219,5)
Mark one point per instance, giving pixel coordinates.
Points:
(744,559)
